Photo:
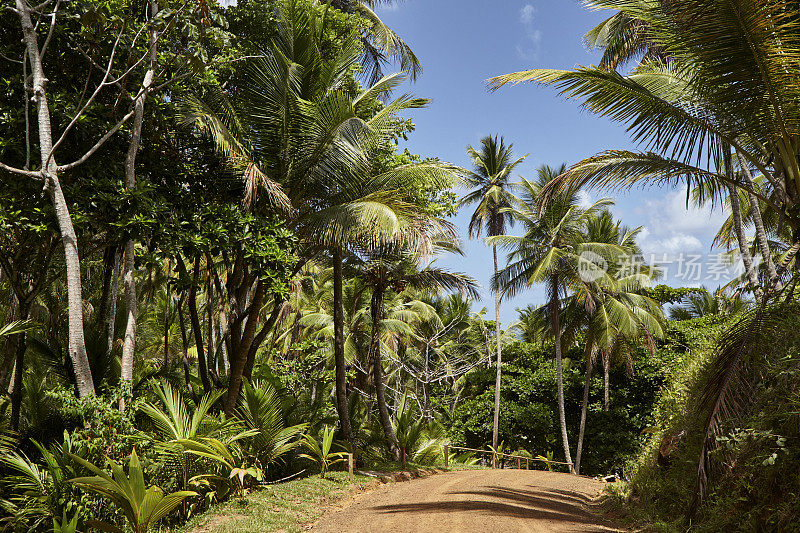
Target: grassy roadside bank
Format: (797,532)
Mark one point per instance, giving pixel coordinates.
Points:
(284,506)
(288,506)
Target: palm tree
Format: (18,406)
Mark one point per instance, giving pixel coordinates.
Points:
(378,40)
(608,307)
(396,268)
(491,190)
(296,132)
(550,252)
(706,303)
(687,107)
(728,85)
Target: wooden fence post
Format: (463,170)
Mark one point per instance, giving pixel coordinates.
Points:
(519,463)
(350,466)
(447,456)
(527,464)
(494,459)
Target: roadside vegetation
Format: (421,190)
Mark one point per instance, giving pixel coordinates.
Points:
(709,91)
(218,268)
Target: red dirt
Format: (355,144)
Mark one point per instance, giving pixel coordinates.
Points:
(472,501)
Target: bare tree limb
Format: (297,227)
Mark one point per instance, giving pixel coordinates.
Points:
(35,174)
(52,28)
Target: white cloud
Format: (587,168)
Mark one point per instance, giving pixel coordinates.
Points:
(526,14)
(670,213)
(530,48)
(680,243)
(584,199)
(672,228)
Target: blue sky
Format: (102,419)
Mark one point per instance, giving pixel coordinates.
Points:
(461,44)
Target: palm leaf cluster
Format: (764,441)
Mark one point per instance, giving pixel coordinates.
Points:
(586,261)
(713,101)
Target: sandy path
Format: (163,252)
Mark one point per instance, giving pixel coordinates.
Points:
(474,501)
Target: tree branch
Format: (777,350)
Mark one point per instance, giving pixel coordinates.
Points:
(52,27)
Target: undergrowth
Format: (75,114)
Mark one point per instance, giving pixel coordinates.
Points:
(754,484)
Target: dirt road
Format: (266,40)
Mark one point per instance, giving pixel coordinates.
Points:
(497,501)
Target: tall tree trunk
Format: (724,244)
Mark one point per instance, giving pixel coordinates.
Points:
(19,368)
(606,381)
(194,318)
(259,339)
(741,238)
(426,396)
(185,343)
(167,317)
(226,367)
(243,349)
(496,421)
(131,302)
(584,406)
(556,324)
(338,349)
(758,223)
(376,310)
(76,339)
(9,344)
(132,308)
(108,270)
(111,319)
(212,341)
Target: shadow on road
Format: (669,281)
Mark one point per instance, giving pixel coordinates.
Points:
(550,505)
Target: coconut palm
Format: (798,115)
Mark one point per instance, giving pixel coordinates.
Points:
(725,95)
(296,132)
(550,252)
(729,86)
(396,268)
(608,307)
(706,303)
(491,189)
(622,37)
(378,40)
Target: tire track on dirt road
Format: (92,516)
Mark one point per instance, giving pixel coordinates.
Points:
(473,501)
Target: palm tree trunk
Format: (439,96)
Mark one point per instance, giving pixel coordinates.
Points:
(606,384)
(376,310)
(496,421)
(758,223)
(167,322)
(338,348)
(554,311)
(76,339)
(584,406)
(131,304)
(426,399)
(741,238)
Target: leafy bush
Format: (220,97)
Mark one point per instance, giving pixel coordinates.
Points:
(320,451)
(528,411)
(754,485)
(142,506)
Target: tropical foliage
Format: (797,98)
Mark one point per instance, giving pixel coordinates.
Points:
(219,267)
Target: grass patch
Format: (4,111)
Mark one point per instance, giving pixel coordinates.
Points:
(292,505)
(284,506)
